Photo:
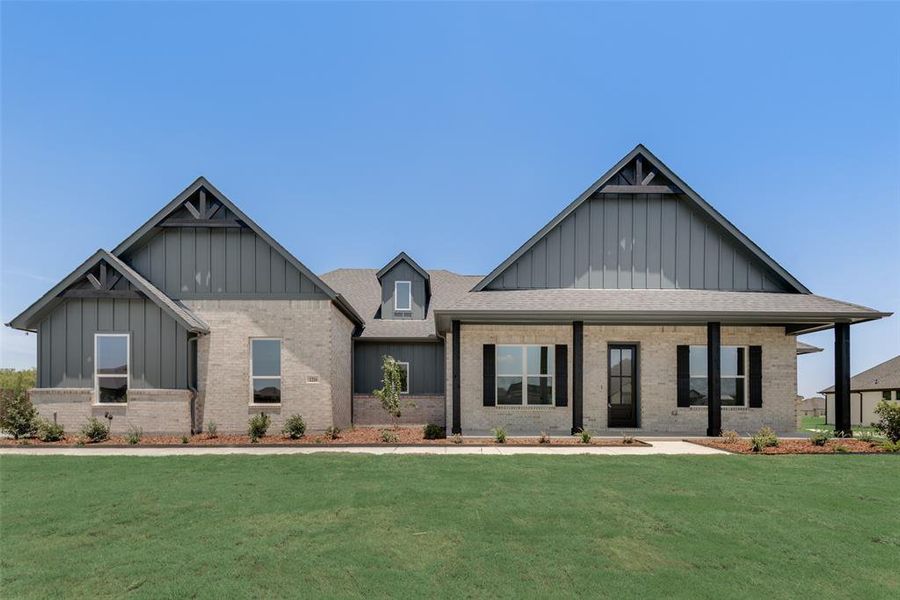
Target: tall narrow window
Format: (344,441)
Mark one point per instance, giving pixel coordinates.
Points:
(524,375)
(404,383)
(111,370)
(265,371)
(402,296)
(733,376)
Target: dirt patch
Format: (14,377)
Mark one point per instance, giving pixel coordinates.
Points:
(360,436)
(742,446)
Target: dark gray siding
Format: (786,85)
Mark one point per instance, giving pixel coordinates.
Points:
(653,241)
(403,272)
(199,262)
(426,365)
(66,343)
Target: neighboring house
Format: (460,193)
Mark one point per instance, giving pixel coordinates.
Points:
(811,407)
(867,389)
(804,348)
(601,320)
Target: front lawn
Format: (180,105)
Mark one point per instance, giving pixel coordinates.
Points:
(456,527)
(808,423)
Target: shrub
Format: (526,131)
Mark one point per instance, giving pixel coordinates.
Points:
(819,438)
(585,436)
(866,436)
(499,435)
(888,420)
(258,426)
(95,431)
(543,438)
(889,446)
(841,449)
(389,437)
(434,432)
(627,439)
(730,436)
(212,430)
(333,433)
(17,416)
(456,438)
(134,435)
(48,431)
(184,439)
(294,427)
(764,438)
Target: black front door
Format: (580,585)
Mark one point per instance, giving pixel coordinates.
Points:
(623,385)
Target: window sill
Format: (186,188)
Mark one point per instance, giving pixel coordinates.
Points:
(108,404)
(538,407)
(265,404)
(724,408)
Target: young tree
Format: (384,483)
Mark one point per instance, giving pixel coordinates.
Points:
(392,384)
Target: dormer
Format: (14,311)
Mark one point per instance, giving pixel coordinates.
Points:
(405,289)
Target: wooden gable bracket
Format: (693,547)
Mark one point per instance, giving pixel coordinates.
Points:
(102,286)
(202,215)
(641,184)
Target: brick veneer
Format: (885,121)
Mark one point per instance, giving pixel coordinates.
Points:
(414,410)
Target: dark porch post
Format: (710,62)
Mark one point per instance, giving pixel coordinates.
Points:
(457,427)
(714,378)
(842,379)
(577,376)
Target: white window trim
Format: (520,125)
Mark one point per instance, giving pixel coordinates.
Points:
(408,298)
(127,375)
(745,376)
(400,362)
(524,373)
(280,370)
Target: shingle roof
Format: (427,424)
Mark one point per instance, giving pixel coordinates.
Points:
(361,288)
(885,376)
(804,348)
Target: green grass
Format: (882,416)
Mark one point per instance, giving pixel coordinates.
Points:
(816,423)
(457,527)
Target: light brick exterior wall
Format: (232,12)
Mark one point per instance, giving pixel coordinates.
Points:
(154,411)
(313,346)
(658,410)
(414,410)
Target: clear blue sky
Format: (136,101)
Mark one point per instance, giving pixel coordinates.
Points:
(453,132)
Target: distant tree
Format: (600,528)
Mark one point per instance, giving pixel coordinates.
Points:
(17,415)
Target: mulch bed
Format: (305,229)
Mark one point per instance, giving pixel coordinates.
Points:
(361,436)
(742,446)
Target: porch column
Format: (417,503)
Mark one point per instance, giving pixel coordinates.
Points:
(456,424)
(577,376)
(714,379)
(842,379)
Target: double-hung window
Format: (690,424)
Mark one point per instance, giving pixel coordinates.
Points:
(265,371)
(402,296)
(524,375)
(733,376)
(111,367)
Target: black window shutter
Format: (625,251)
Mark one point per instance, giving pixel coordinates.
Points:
(490,388)
(755,376)
(562,375)
(684,375)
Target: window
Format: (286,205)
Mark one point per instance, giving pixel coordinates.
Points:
(404,383)
(886,395)
(524,375)
(111,370)
(265,371)
(402,296)
(733,376)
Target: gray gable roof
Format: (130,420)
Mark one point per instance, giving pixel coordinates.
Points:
(885,376)
(201,182)
(403,256)
(362,288)
(677,186)
(30,316)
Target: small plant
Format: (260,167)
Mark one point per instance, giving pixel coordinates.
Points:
(79,442)
(95,431)
(866,436)
(889,446)
(499,435)
(392,381)
(888,420)
(333,433)
(627,439)
(48,431)
(764,438)
(434,432)
(731,436)
(819,438)
(212,430)
(294,427)
(134,435)
(841,449)
(585,436)
(543,438)
(456,438)
(389,437)
(19,418)
(258,426)
(184,439)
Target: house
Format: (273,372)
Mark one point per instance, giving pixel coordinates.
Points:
(601,320)
(811,407)
(867,389)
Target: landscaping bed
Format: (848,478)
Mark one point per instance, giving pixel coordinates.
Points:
(832,446)
(359,436)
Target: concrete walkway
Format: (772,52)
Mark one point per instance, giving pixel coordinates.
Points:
(658,447)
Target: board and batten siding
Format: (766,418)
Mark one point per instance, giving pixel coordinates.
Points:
(638,241)
(159,344)
(222,263)
(426,365)
(402,271)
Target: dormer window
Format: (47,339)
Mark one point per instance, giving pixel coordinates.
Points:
(402,296)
